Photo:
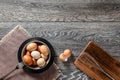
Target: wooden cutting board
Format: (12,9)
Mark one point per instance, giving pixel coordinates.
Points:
(97,63)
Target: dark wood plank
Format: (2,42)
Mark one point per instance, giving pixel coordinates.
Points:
(93,59)
(59,10)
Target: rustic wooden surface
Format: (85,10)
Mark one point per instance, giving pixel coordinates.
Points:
(59,10)
(92,58)
(66,24)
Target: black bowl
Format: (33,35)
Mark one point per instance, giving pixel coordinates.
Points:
(38,69)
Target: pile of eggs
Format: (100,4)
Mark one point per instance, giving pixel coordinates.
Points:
(36,54)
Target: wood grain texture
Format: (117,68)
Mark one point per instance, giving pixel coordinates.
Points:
(59,10)
(72,35)
(66,24)
(96,62)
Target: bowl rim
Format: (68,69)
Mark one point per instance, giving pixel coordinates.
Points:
(46,42)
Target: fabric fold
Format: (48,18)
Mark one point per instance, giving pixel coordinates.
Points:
(9,46)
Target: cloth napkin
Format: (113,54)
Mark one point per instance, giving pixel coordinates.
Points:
(9,46)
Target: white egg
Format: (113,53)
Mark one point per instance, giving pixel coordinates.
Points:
(35,54)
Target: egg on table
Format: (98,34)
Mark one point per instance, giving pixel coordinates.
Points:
(62,57)
(67,53)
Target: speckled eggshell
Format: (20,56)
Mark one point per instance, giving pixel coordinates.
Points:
(35,54)
(31,46)
(44,56)
(44,50)
(41,62)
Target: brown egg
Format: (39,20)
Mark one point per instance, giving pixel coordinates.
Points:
(44,50)
(62,57)
(34,61)
(27,59)
(41,62)
(44,56)
(31,46)
(67,53)
(28,53)
(39,48)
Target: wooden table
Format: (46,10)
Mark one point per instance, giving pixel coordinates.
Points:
(66,24)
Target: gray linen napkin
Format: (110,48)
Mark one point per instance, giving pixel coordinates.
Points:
(9,46)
